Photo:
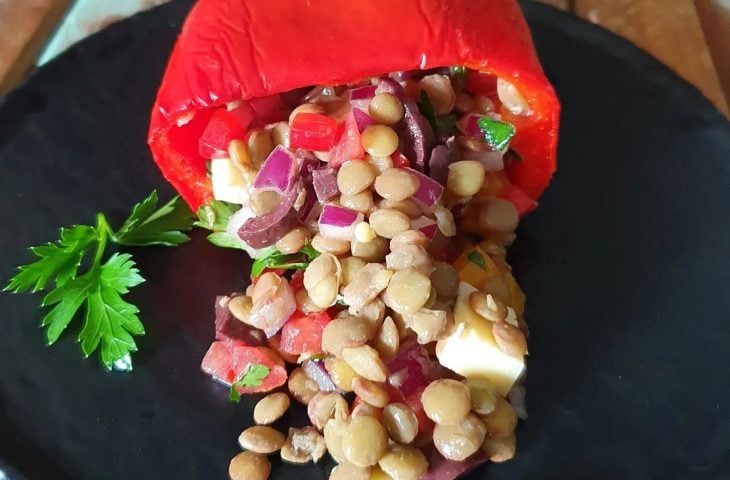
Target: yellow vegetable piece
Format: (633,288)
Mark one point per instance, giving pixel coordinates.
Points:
(475,267)
(516,295)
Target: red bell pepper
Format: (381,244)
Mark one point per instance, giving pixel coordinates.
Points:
(222,128)
(232,50)
(302,333)
(312,131)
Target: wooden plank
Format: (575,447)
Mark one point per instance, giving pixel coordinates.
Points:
(668,29)
(715,20)
(24,27)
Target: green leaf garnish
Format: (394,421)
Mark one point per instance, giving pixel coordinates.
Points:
(497,134)
(442,125)
(477,259)
(110,323)
(270,257)
(253,377)
(215,216)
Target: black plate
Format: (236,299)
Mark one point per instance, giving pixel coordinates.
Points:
(626,265)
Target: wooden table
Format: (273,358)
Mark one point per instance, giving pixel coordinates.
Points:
(690,36)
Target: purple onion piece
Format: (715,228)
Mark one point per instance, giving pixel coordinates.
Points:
(260,232)
(317,372)
(417,137)
(362,119)
(325,184)
(229,327)
(278,172)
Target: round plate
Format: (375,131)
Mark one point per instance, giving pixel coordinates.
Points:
(626,265)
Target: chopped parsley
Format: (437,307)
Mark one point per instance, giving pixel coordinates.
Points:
(253,377)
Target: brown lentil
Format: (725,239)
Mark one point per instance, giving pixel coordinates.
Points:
(410,256)
(407,206)
(510,339)
(261,439)
(497,287)
(379,140)
(271,408)
(364,408)
(429,325)
(465,177)
(460,441)
(280,134)
(445,221)
(364,441)
(306,108)
(340,373)
(260,146)
(440,91)
(366,362)
(238,153)
(360,202)
(249,466)
(326,405)
(409,237)
(404,463)
(396,184)
(303,445)
(349,267)
(500,450)
(387,341)
(388,223)
(293,241)
(400,422)
(464,103)
(445,280)
(334,430)
(305,304)
(380,164)
(498,215)
(330,245)
(301,387)
(370,392)
(344,332)
(446,401)
(240,307)
(408,291)
(355,176)
(373,251)
(348,471)
(502,421)
(264,201)
(486,306)
(386,109)
(366,285)
(484,395)
(322,280)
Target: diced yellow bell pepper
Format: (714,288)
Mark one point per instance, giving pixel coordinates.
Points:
(516,295)
(475,267)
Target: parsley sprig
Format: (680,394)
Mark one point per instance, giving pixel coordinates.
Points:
(270,257)
(253,377)
(214,216)
(110,322)
(443,125)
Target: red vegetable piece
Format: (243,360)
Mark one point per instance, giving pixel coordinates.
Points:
(519,199)
(222,127)
(481,83)
(399,160)
(312,131)
(302,333)
(349,145)
(244,357)
(297,280)
(218,361)
(425,424)
(215,62)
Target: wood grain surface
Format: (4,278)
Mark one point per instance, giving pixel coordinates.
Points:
(690,36)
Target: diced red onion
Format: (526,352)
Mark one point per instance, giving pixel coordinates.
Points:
(317,372)
(229,327)
(426,225)
(429,190)
(278,172)
(339,222)
(325,184)
(365,92)
(410,369)
(260,232)
(362,119)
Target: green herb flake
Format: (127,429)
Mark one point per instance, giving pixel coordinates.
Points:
(253,377)
(274,259)
(110,322)
(497,134)
(477,259)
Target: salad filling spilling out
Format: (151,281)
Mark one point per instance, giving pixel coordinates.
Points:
(378,215)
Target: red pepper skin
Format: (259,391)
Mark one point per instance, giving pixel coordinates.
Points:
(243,49)
(312,131)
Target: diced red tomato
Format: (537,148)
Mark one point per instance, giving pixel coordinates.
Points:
(312,131)
(228,360)
(223,127)
(481,83)
(302,333)
(348,145)
(399,160)
(520,199)
(275,344)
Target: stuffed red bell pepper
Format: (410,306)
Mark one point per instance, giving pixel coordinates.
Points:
(374,158)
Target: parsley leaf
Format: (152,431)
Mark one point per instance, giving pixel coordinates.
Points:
(148,225)
(110,322)
(57,260)
(254,377)
(272,258)
(442,125)
(497,134)
(214,216)
(477,259)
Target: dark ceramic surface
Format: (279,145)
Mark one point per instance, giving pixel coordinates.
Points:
(626,265)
